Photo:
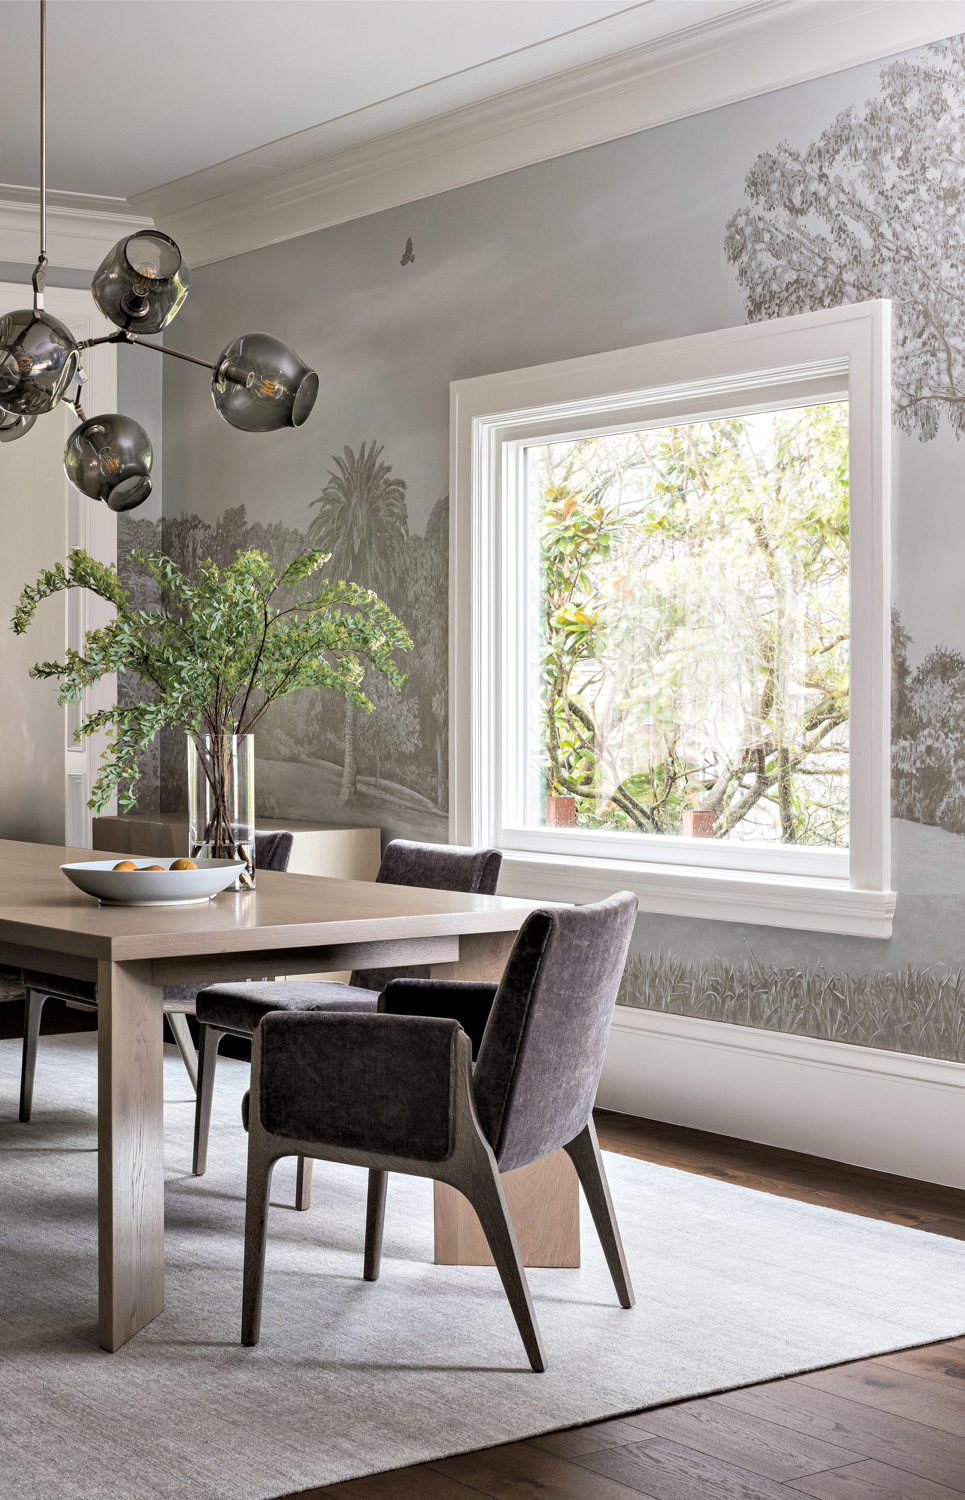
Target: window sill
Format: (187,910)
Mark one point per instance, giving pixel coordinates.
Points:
(796,901)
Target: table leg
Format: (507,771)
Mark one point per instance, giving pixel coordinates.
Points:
(130,1169)
(543,1198)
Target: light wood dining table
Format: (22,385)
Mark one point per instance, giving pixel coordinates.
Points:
(290,924)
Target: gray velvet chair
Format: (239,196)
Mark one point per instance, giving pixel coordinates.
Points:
(272,852)
(237,1009)
(397,1091)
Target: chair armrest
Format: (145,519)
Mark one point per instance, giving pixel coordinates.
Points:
(361,1082)
(467,1001)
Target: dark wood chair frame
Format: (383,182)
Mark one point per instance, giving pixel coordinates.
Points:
(470,1167)
(34,1002)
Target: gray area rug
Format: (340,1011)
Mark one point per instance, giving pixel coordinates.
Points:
(733,1287)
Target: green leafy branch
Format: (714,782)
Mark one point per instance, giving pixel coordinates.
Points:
(218,651)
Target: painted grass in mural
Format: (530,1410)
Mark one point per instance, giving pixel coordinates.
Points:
(919,1010)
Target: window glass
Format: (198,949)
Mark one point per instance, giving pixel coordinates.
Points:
(688,630)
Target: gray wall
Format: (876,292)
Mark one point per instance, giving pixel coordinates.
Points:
(618,245)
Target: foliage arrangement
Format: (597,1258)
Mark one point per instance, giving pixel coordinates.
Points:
(217,650)
(873,208)
(694,622)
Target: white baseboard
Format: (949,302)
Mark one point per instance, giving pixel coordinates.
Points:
(890,1111)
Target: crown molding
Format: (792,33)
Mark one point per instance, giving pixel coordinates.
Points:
(384,156)
(81,227)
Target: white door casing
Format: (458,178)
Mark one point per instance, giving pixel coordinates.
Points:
(46,779)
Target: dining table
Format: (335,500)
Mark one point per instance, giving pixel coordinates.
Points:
(288,925)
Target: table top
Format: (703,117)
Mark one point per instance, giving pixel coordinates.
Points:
(39,907)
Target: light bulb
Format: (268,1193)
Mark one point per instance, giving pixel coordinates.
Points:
(142,282)
(38,360)
(260,384)
(109,458)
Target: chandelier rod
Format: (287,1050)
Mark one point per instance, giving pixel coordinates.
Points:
(40,272)
(126,337)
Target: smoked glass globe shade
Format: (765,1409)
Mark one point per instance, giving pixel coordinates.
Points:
(38,360)
(13,427)
(141,284)
(109,458)
(259,384)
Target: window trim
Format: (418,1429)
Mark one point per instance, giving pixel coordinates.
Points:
(492,414)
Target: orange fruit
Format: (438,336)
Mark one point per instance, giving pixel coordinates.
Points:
(126,864)
(184,864)
(152,867)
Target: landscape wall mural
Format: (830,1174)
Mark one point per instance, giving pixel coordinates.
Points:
(387,768)
(839,189)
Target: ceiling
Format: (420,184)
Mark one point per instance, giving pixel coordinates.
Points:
(143,92)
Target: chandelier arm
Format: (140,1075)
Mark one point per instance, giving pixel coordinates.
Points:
(224,370)
(39,277)
(192,359)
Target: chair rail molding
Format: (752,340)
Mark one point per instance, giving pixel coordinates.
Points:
(890,1111)
(512,112)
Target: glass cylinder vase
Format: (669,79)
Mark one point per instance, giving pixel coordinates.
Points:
(221,801)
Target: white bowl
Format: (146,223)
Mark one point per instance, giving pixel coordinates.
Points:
(144,887)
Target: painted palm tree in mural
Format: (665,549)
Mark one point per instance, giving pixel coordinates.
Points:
(362,520)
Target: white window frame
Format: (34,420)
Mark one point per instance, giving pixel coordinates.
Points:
(822,355)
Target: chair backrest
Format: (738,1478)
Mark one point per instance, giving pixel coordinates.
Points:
(542,1052)
(435,867)
(273,850)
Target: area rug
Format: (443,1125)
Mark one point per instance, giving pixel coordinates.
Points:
(733,1287)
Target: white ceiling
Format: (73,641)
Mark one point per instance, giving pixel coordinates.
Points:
(141,92)
(234,124)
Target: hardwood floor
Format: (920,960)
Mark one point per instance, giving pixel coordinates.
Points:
(891,1428)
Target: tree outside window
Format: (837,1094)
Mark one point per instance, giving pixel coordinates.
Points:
(693,628)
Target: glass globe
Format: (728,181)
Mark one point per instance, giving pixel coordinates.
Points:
(259,384)
(13,427)
(109,458)
(142,282)
(38,360)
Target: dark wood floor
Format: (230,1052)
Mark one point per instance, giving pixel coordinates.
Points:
(882,1429)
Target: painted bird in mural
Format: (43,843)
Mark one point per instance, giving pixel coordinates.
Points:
(409,256)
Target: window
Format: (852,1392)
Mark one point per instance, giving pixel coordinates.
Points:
(670,589)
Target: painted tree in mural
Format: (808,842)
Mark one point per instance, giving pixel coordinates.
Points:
(928,734)
(362,522)
(875,207)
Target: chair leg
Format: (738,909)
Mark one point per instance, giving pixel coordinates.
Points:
(584,1152)
(260,1167)
(481,1185)
(33,1009)
(178,1023)
(207,1064)
(374,1221)
(303,1183)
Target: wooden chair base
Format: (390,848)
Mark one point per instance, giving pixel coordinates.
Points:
(544,1204)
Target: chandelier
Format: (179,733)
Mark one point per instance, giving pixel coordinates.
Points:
(258,383)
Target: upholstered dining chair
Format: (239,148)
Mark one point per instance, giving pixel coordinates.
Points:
(397,1092)
(237,1009)
(272,852)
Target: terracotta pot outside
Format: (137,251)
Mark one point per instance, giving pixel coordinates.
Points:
(561,812)
(698,824)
